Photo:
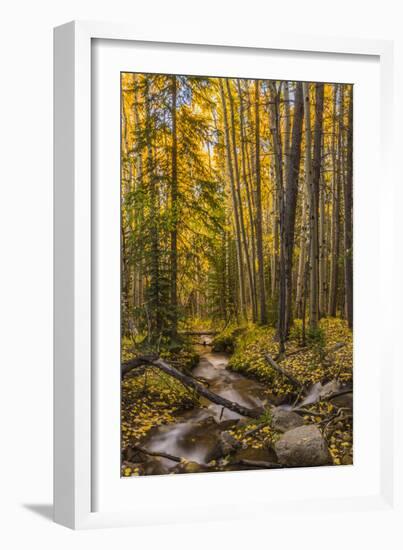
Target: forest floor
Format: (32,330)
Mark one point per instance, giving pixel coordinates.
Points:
(322,359)
(153,398)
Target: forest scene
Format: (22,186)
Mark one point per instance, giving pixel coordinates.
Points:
(236,274)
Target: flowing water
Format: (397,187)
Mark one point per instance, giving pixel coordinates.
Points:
(195,434)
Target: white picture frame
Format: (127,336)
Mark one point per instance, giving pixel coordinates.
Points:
(77,386)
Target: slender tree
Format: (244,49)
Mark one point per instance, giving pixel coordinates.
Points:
(234,203)
(258,193)
(335,245)
(238,193)
(174,208)
(316,177)
(249,202)
(291,198)
(348,219)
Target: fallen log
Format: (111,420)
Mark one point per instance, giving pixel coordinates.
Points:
(140,361)
(337,394)
(191,382)
(284,373)
(158,454)
(290,353)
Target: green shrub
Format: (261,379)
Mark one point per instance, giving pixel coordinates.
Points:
(225,340)
(316,339)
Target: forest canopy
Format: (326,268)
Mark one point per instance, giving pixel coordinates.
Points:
(236,203)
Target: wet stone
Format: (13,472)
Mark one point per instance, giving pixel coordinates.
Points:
(258,455)
(155,467)
(303,446)
(225,445)
(283,420)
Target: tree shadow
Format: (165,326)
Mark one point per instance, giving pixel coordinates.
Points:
(44,510)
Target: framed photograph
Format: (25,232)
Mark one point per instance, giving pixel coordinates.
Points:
(219,222)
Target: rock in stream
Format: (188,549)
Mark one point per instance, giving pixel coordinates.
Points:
(302,446)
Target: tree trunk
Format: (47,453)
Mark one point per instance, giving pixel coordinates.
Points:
(174,212)
(316,174)
(302,257)
(348,213)
(154,270)
(287,131)
(124,268)
(234,204)
(314,168)
(139,186)
(334,257)
(259,232)
(322,251)
(249,203)
(288,205)
(238,192)
(275,129)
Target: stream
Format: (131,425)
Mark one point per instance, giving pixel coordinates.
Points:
(195,435)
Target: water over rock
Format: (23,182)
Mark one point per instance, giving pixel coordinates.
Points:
(343,401)
(225,445)
(329,388)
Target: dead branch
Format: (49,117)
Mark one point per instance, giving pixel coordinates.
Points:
(159,454)
(188,381)
(280,356)
(296,383)
(336,394)
(310,413)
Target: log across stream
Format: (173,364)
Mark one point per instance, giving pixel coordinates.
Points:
(195,434)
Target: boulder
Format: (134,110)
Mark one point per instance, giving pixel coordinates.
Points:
(283,420)
(343,401)
(133,455)
(154,467)
(228,443)
(225,445)
(302,446)
(258,455)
